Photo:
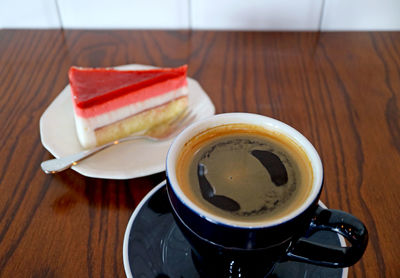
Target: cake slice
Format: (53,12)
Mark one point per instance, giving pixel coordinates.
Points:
(110,104)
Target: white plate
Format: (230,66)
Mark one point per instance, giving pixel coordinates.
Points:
(123,161)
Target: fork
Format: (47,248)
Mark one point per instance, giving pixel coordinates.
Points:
(159,132)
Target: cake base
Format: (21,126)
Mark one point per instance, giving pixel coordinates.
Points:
(140,122)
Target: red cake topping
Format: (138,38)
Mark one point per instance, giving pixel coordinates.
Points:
(92,87)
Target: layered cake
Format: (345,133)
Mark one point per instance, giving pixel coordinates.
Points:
(110,104)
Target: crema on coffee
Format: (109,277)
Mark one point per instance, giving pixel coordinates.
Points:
(244,173)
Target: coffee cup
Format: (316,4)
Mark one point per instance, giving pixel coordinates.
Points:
(244,190)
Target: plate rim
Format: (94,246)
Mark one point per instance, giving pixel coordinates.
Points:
(125,251)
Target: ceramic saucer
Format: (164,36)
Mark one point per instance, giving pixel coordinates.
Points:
(155,248)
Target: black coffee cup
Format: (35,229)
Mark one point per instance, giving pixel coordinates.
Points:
(223,249)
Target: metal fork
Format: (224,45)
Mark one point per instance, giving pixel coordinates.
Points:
(160,132)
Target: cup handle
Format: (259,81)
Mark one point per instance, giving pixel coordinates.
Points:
(327,255)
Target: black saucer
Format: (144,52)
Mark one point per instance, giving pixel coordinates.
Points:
(155,248)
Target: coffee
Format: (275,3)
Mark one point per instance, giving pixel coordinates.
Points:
(244,173)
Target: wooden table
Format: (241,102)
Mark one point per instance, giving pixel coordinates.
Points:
(341,90)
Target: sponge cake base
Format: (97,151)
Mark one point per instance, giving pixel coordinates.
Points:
(140,122)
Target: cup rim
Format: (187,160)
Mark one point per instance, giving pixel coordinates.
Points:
(247,118)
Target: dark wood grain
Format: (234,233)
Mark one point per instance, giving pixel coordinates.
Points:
(341,90)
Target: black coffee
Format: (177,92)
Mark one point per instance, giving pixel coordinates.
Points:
(244,173)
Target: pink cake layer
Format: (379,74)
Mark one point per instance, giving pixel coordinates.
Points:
(93,100)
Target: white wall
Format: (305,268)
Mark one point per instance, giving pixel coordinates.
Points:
(202,14)
(361,15)
(28,14)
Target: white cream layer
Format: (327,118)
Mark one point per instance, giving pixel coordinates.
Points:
(86,127)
